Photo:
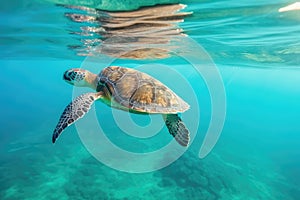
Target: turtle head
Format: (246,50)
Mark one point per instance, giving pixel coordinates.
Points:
(80,78)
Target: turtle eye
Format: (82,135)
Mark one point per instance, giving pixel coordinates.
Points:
(72,75)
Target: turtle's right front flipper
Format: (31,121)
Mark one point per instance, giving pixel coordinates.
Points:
(74,111)
(177,129)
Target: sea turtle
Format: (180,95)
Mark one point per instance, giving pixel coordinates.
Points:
(126,89)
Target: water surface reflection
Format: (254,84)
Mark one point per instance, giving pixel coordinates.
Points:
(147,33)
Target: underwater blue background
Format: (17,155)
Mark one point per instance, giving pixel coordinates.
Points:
(256,50)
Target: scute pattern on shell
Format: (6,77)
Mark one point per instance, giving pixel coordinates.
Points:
(140,92)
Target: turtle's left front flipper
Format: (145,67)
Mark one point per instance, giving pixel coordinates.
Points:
(74,111)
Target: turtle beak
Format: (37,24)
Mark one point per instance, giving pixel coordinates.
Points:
(66,76)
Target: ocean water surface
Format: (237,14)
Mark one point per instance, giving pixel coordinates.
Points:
(254,47)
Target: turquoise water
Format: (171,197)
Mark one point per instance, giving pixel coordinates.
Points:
(254,47)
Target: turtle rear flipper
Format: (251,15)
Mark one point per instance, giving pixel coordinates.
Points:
(177,129)
(74,111)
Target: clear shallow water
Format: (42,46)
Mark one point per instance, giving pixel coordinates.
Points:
(256,49)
